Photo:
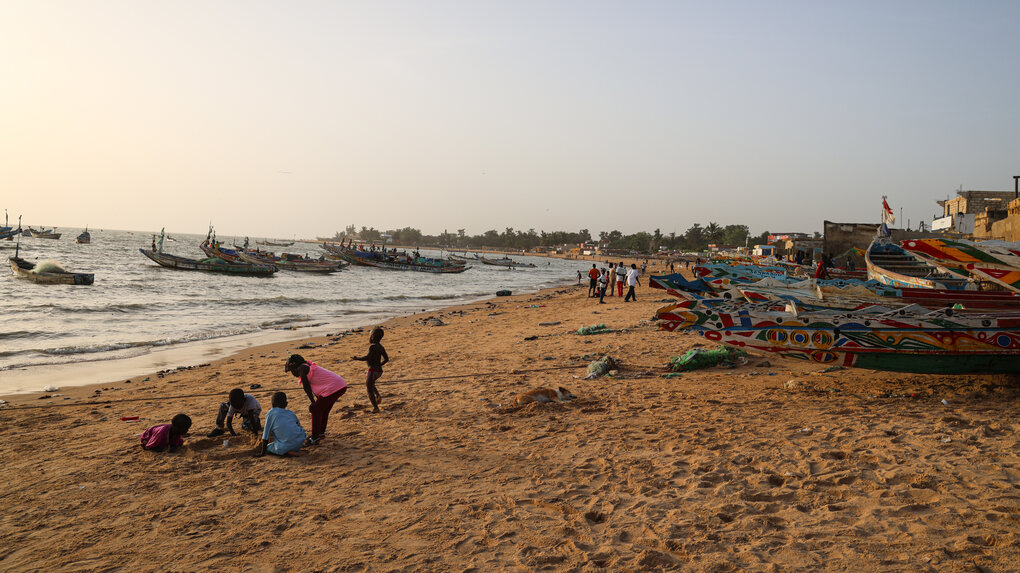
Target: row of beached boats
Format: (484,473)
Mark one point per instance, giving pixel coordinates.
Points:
(925,306)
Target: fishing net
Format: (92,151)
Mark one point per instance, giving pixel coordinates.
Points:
(48,267)
(699,358)
(601,367)
(596,329)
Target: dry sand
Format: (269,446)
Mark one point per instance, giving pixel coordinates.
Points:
(773,465)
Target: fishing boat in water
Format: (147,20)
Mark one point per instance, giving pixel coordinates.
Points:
(268,243)
(212,264)
(214,249)
(41,233)
(506,262)
(392,260)
(293,262)
(9,234)
(84,238)
(47,272)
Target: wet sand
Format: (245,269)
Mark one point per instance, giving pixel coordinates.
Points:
(771,465)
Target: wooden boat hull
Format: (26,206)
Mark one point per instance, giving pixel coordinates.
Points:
(297,266)
(24,269)
(932,343)
(889,264)
(422,268)
(216,251)
(185,264)
(381,261)
(999,265)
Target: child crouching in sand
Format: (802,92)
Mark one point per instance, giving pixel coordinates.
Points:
(240,404)
(283,426)
(167,436)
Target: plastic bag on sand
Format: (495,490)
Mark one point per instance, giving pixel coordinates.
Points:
(706,358)
(596,329)
(601,367)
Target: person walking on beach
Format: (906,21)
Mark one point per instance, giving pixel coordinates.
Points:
(593,278)
(632,281)
(612,277)
(323,387)
(578,277)
(620,275)
(375,358)
(603,284)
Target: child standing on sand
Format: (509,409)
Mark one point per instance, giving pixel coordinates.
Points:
(167,436)
(283,426)
(323,387)
(376,357)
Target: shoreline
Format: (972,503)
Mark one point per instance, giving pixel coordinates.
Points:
(26,381)
(83,375)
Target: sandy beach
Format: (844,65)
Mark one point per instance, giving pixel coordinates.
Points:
(771,465)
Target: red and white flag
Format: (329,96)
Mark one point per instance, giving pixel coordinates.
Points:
(887,213)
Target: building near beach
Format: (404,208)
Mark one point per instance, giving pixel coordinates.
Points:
(959,213)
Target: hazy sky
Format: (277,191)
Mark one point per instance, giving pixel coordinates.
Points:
(300,118)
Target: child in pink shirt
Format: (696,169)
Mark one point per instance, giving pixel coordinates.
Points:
(167,436)
(323,388)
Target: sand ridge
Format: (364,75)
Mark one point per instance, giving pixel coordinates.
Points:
(772,465)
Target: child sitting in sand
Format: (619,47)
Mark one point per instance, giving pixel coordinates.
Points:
(376,357)
(283,426)
(238,404)
(167,436)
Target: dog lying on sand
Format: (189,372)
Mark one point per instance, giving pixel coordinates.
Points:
(542,395)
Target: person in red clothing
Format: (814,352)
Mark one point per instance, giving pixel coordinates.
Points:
(820,272)
(593,276)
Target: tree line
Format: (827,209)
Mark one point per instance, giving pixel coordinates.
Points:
(696,238)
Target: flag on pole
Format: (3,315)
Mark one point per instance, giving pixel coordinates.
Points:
(162,235)
(887,213)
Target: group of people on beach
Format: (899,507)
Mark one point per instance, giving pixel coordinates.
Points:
(616,274)
(282,434)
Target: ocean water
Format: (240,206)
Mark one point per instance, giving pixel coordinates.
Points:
(136,307)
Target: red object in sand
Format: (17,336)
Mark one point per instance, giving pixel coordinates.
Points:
(128,418)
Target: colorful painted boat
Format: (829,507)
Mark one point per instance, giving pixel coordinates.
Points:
(215,250)
(909,339)
(215,265)
(890,264)
(996,262)
(38,273)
